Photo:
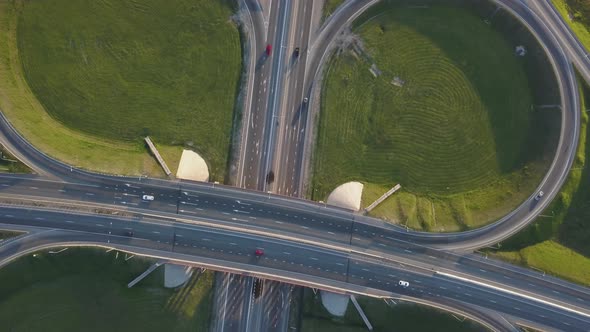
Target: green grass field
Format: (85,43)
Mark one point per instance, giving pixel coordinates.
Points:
(86,290)
(403,317)
(557,242)
(102,74)
(458,135)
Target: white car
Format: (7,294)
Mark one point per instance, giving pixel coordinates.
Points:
(539,195)
(403,283)
(147,197)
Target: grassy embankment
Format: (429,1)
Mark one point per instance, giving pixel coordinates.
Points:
(557,242)
(7,234)
(9,164)
(404,317)
(86,290)
(84,81)
(580,22)
(330,6)
(461,135)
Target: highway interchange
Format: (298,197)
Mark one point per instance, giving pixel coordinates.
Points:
(308,243)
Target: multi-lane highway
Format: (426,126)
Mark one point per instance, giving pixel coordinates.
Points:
(308,243)
(368,267)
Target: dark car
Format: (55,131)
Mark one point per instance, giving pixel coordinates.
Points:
(129,233)
(258,286)
(268,49)
(296,53)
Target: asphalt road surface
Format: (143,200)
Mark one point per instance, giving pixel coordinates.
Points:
(492,285)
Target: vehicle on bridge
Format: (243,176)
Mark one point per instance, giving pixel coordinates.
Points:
(296,52)
(403,283)
(147,197)
(268,49)
(259,253)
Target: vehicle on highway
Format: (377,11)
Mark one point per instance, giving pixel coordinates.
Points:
(403,283)
(129,233)
(296,52)
(268,49)
(539,195)
(259,252)
(305,100)
(147,197)
(258,285)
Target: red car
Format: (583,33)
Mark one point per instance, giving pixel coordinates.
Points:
(268,49)
(259,252)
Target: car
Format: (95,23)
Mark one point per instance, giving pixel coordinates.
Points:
(403,283)
(268,49)
(129,233)
(539,195)
(305,100)
(258,287)
(259,252)
(147,197)
(296,52)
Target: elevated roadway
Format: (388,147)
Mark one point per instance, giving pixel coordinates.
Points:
(335,267)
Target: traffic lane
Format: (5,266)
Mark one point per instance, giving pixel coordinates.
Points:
(520,278)
(295,79)
(481,268)
(275,95)
(282,255)
(240,212)
(275,304)
(154,235)
(125,195)
(145,231)
(259,105)
(297,118)
(431,287)
(229,302)
(574,48)
(166,200)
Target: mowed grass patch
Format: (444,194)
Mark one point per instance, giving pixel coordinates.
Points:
(403,317)
(86,290)
(552,258)
(457,133)
(110,72)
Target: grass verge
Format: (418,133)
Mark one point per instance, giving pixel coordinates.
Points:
(8,234)
(100,75)
(449,112)
(9,164)
(576,25)
(86,290)
(557,242)
(329,7)
(405,317)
